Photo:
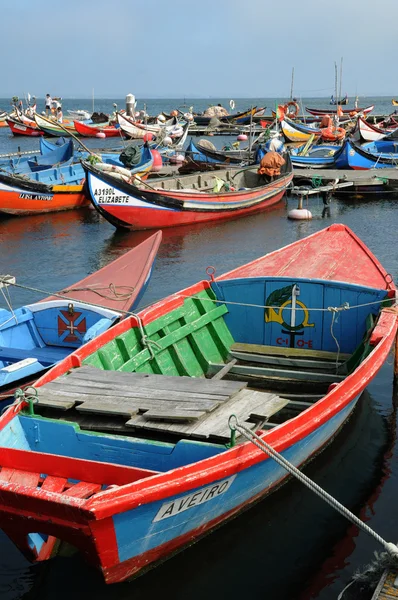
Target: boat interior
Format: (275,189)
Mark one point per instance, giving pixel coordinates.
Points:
(239,179)
(165,401)
(37,336)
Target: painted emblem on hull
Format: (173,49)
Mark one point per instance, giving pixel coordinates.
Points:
(283,307)
(70,323)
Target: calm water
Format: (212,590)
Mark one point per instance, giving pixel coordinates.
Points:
(290,546)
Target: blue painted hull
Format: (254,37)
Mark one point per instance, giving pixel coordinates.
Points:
(352,156)
(167,522)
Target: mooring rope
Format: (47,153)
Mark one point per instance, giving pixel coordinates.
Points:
(235,425)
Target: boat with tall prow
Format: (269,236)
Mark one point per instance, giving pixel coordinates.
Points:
(127,451)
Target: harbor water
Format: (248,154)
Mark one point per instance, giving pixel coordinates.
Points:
(290,546)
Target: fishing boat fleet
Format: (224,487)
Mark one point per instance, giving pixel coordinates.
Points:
(129,434)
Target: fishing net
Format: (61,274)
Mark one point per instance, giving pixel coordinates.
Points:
(131,156)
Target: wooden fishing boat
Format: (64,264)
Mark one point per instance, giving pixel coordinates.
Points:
(36,336)
(136,130)
(87,130)
(184,200)
(205,154)
(19,128)
(372,133)
(299,132)
(127,453)
(372,155)
(62,154)
(60,188)
(242,118)
(347,111)
(316,157)
(52,128)
(394,102)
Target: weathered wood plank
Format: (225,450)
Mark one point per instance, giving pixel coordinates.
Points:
(54,484)
(183,384)
(174,415)
(247,404)
(144,403)
(25,478)
(128,408)
(302,363)
(288,375)
(52,401)
(293,352)
(220,374)
(72,389)
(83,490)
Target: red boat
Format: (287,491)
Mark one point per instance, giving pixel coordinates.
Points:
(127,453)
(318,112)
(19,128)
(97,131)
(188,199)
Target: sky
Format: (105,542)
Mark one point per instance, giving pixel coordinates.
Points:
(198,49)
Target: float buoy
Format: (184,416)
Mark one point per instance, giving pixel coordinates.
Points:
(242,137)
(177,159)
(299,214)
(167,141)
(148,136)
(291,109)
(100,134)
(333,134)
(157,160)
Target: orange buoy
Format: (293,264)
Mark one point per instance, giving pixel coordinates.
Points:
(291,109)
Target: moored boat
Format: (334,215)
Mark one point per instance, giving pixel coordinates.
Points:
(88,130)
(370,132)
(186,199)
(347,111)
(372,155)
(128,501)
(53,128)
(19,128)
(36,336)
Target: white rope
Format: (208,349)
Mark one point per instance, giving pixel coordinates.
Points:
(8,302)
(344,306)
(283,462)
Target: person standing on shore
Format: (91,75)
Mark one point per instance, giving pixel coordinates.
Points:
(48,104)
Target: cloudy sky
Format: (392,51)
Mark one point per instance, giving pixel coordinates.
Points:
(186,48)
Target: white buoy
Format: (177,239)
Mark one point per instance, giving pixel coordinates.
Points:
(299,213)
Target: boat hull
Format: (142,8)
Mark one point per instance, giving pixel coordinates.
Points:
(132,212)
(18,129)
(18,201)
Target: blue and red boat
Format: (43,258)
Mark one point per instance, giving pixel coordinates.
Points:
(381,154)
(126,453)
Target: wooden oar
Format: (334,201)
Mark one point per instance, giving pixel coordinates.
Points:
(51,122)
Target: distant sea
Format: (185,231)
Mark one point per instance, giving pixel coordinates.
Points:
(156,105)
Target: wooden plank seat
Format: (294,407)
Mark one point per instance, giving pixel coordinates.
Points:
(180,406)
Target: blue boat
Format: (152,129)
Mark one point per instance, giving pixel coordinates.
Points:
(36,336)
(373,155)
(317,157)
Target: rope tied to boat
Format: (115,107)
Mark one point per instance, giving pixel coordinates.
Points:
(114,294)
(27,395)
(262,445)
(145,340)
